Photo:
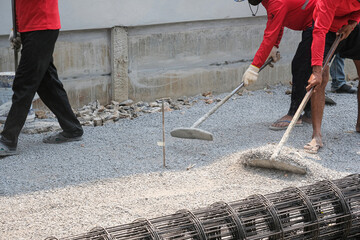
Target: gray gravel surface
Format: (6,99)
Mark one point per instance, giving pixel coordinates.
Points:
(116,175)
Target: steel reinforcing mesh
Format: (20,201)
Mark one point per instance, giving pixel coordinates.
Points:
(326,210)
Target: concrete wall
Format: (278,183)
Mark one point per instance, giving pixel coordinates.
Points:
(96,14)
(83,62)
(166,60)
(171,60)
(188,59)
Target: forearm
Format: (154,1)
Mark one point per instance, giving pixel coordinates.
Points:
(317,47)
(353,24)
(266,46)
(261,56)
(272,34)
(316,69)
(278,40)
(355,16)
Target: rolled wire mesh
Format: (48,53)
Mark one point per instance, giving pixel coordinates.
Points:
(327,210)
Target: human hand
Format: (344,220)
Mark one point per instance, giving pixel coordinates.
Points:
(274,54)
(315,78)
(251,75)
(346,30)
(15,42)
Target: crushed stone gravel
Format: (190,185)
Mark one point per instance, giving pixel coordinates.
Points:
(116,174)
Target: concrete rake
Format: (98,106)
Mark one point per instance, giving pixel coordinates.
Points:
(196,133)
(273,162)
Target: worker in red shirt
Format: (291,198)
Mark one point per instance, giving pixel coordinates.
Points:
(295,15)
(38,23)
(331,18)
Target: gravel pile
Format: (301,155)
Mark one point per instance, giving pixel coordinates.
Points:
(287,160)
(116,174)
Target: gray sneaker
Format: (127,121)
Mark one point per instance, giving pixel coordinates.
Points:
(7,151)
(346,88)
(60,138)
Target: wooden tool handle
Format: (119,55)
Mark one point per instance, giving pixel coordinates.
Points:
(292,124)
(16,54)
(304,101)
(203,118)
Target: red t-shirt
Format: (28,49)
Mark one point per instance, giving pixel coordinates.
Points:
(34,15)
(330,15)
(293,14)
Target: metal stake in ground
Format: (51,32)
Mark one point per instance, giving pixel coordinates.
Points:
(163,130)
(273,163)
(196,133)
(162,144)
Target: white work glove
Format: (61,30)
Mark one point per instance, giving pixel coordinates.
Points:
(251,75)
(275,54)
(15,42)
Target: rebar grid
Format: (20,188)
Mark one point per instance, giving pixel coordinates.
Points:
(327,210)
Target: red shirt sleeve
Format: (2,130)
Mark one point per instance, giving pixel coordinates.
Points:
(323,16)
(279,37)
(273,32)
(355,16)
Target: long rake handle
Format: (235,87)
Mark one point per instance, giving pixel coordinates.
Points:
(203,118)
(16,55)
(304,102)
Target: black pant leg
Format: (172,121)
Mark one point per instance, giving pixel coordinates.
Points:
(38,47)
(350,47)
(52,93)
(301,72)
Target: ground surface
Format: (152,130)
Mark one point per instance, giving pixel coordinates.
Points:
(115,175)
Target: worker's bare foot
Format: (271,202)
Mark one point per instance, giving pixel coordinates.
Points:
(313,146)
(284,122)
(358,127)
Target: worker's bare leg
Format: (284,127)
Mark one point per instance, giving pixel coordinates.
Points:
(357,64)
(317,110)
(358,117)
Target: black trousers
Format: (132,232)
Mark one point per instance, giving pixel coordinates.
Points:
(37,73)
(349,47)
(301,64)
(301,71)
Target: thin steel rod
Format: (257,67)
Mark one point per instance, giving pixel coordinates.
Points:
(163,132)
